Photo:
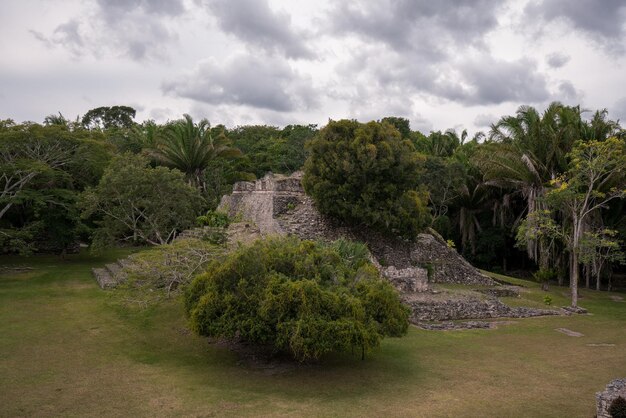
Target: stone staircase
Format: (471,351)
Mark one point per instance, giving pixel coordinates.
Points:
(111,275)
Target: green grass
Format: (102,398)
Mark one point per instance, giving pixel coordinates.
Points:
(68,348)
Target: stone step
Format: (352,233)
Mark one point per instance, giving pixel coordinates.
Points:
(103,277)
(116,272)
(124,262)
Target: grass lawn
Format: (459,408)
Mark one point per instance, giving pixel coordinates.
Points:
(68,349)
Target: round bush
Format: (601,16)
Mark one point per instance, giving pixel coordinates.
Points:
(301,297)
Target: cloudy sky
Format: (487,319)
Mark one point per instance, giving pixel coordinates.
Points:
(441,64)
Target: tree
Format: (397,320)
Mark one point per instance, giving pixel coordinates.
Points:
(596,176)
(598,248)
(530,150)
(138,203)
(109,117)
(191,147)
(300,297)
(56,120)
(366,174)
(401,124)
(42,171)
(25,153)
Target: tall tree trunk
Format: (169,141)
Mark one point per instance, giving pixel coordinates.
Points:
(560,272)
(574,279)
(598,280)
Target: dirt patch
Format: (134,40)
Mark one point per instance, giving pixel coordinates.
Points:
(601,345)
(569,332)
(616,298)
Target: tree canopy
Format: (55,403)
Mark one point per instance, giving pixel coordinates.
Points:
(366,174)
(141,204)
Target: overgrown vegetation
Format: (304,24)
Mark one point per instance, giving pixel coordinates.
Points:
(485,193)
(301,297)
(366,174)
(164,271)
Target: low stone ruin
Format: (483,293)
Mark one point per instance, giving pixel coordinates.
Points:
(425,308)
(604,399)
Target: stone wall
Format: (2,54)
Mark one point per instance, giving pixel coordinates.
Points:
(604,399)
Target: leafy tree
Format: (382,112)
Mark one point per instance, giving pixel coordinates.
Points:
(598,248)
(301,297)
(597,175)
(105,117)
(366,174)
(56,120)
(529,150)
(42,169)
(440,144)
(191,147)
(401,124)
(267,148)
(135,202)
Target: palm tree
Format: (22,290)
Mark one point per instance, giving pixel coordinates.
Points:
(529,150)
(191,147)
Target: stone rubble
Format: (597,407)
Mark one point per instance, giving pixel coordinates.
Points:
(604,399)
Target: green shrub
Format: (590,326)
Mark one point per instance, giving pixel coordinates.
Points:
(301,297)
(544,275)
(618,408)
(213,219)
(547,300)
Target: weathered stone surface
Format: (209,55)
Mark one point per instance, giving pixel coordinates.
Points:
(445,309)
(410,279)
(569,332)
(604,399)
(501,291)
(104,279)
(446,264)
(453,326)
(574,310)
(111,275)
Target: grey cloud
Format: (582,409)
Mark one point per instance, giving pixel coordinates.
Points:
(259,82)
(491,81)
(557,59)
(116,9)
(421,44)
(420,123)
(603,20)
(425,27)
(567,93)
(253,22)
(618,110)
(66,35)
(484,120)
(135,28)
